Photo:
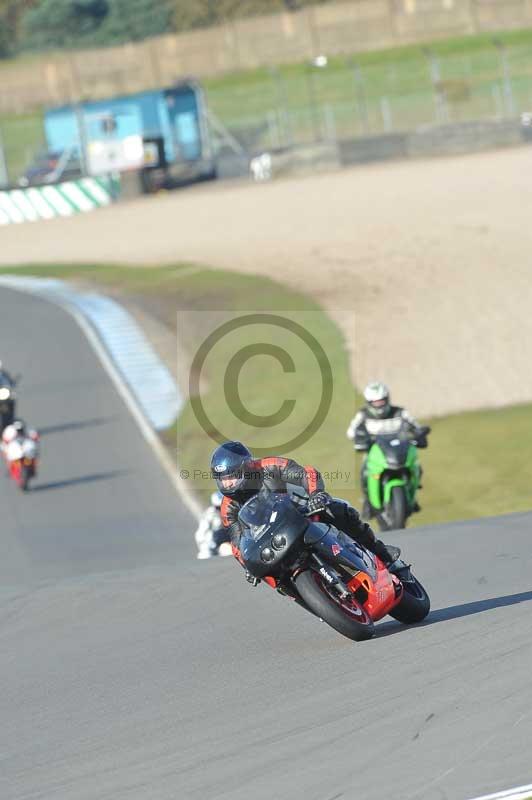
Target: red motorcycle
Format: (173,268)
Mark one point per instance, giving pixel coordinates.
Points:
(324,570)
(22,459)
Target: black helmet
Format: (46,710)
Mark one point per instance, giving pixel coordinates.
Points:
(230,465)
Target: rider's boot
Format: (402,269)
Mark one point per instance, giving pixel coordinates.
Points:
(386,552)
(390,555)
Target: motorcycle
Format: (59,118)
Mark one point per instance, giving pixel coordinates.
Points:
(22,464)
(393,476)
(7,404)
(324,570)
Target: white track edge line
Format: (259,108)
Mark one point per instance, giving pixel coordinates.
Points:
(149,434)
(129,399)
(517,793)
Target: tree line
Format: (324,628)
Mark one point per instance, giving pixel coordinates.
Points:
(37,25)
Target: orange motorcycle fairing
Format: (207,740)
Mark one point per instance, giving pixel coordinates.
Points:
(383,593)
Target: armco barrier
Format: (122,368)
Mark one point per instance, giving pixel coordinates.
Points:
(433,140)
(58,200)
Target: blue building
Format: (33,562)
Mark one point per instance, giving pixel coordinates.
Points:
(163,130)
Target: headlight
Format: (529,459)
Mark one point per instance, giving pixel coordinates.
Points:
(279,541)
(267,554)
(4,393)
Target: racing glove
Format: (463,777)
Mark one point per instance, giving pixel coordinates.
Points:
(318,501)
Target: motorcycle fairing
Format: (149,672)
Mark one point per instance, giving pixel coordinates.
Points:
(390,465)
(394,449)
(262,517)
(338,549)
(375,587)
(378,595)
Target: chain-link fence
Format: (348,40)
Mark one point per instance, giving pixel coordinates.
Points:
(343,99)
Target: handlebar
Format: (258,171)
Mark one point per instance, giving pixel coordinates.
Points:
(364,442)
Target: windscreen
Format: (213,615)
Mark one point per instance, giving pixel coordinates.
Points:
(269,511)
(258,510)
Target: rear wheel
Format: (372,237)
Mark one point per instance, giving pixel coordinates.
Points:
(414,605)
(346,616)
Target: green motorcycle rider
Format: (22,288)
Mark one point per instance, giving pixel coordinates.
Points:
(390,472)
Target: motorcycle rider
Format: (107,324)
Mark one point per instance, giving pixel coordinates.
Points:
(6,379)
(7,397)
(376,417)
(211,535)
(17,436)
(239,477)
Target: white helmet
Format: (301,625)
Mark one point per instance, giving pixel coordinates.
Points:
(377,397)
(216,499)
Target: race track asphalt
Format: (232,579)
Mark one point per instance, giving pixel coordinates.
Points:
(131,671)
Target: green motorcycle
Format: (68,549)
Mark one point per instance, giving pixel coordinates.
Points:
(392,476)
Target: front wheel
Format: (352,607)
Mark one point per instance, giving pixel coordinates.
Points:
(396,511)
(414,605)
(346,616)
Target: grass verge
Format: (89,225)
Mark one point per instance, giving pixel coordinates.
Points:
(471,467)
(22,137)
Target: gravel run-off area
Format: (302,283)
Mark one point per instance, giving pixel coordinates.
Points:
(426,265)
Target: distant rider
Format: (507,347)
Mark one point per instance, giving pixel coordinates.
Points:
(239,477)
(18,440)
(211,534)
(6,379)
(376,417)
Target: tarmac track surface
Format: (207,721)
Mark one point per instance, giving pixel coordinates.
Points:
(131,671)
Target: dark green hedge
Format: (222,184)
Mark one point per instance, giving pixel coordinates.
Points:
(34,25)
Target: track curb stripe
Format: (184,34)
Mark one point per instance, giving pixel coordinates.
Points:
(10,209)
(21,200)
(43,209)
(57,200)
(54,198)
(76,196)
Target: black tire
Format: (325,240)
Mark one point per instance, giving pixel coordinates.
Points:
(383,523)
(26,475)
(414,605)
(397,510)
(346,617)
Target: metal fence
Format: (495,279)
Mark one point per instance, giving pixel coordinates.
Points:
(342,99)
